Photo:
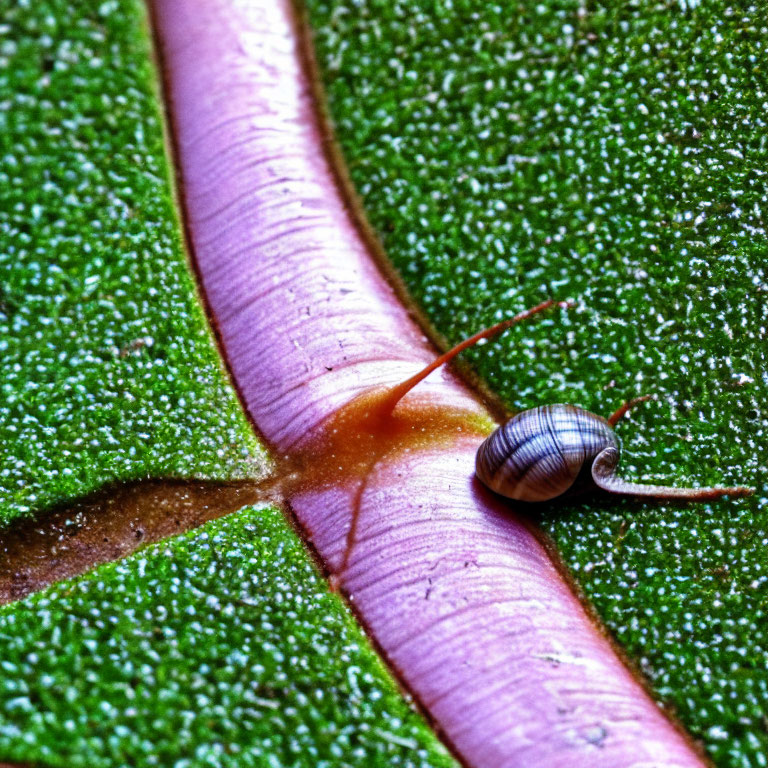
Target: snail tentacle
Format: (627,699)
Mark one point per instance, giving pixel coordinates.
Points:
(397,393)
(619,413)
(604,467)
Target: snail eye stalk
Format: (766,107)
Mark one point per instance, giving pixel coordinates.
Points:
(400,390)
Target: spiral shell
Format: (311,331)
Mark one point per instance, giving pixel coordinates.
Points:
(539,454)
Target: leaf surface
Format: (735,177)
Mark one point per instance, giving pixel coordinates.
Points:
(220,647)
(614,154)
(453,585)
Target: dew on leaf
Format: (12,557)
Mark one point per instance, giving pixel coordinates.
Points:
(627,145)
(108,368)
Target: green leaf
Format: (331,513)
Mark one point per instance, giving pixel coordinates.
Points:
(220,647)
(107,364)
(614,154)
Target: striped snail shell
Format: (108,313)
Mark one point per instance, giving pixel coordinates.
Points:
(539,454)
(544,452)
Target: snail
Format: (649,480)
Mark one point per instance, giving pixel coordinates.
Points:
(546,452)
(555,450)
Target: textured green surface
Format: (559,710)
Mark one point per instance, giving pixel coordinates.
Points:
(107,368)
(222,647)
(613,153)
(219,648)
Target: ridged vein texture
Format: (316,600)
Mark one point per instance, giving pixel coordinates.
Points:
(459,594)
